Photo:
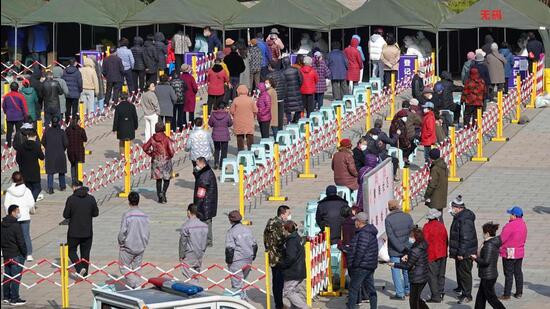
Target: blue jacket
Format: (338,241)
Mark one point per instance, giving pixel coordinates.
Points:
(126,56)
(213,42)
(38,38)
(338,65)
(73,78)
(509,62)
(363,249)
(266,52)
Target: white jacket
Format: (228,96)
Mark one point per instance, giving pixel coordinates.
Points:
(200,144)
(414,50)
(376,42)
(21,196)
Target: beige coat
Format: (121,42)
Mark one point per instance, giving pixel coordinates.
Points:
(274,107)
(495,64)
(244,112)
(390,57)
(89,76)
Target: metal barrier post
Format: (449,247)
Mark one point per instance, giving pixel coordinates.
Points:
(82,113)
(500,121)
(368,107)
(392,97)
(406,190)
(452,160)
(339,123)
(40,131)
(205,116)
(309,296)
(518,99)
(167,129)
(267,281)
(66,267)
(479,156)
(79,171)
(416,65)
(330,290)
(307,172)
(127,170)
(276,197)
(534,89)
(432,68)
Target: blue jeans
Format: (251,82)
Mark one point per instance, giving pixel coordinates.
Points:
(319,98)
(11,283)
(361,277)
(26,227)
(62,182)
(401,284)
(101,104)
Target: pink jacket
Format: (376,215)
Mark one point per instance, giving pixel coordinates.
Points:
(513,236)
(264,104)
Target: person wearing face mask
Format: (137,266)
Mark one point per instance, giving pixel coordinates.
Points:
(200,143)
(427,135)
(274,237)
(435,235)
(205,194)
(55,143)
(371,161)
(343,166)
(14,252)
(416,263)
(398,130)
(487,261)
(359,153)
(462,244)
(293,264)
(436,192)
(382,140)
(159,148)
(329,213)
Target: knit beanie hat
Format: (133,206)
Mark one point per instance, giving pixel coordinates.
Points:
(458,202)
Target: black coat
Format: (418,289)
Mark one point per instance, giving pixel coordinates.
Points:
(27,158)
(161,49)
(180,87)
(55,143)
(417,86)
(235,64)
(125,121)
(462,236)
(293,262)
(80,209)
(51,90)
(150,57)
(13,243)
(362,252)
(137,52)
(535,46)
(293,96)
(488,258)
(329,214)
(73,78)
(447,101)
(417,263)
(280,84)
(359,156)
(113,69)
(206,198)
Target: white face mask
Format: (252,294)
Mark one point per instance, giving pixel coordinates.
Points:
(289,217)
(18,215)
(404,119)
(426,110)
(267,86)
(363,147)
(375,137)
(411,240)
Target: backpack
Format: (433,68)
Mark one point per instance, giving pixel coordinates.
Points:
(275,51)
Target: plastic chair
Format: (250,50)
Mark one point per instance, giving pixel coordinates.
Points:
(344,192)
(335,104)
(329,113)
(316,120)
(359,94)
(302,123)
(397,153)
(349,103)
(269,145)
(247,159)
(295,129)
(353,198)
(310,225)
(260,156)
(285,138)
(234,174)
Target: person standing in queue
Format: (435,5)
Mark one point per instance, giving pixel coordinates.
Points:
(205,194)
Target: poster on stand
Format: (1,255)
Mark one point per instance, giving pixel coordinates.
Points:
(377,191)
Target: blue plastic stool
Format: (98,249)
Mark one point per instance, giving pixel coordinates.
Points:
(344,192)
(316,120)
(359,94)
(269,145)
(247,159)
(234,174)
(335,258)
(260,156)
(302,123)
(285,138)
(310,225)
(353,198)
(335,104)
(295,129)
(350,104)
(329,113)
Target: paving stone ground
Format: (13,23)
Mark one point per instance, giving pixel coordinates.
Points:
(519,172)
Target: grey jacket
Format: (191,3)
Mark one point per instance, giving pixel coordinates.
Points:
(240,244)
(398,227)
(200,144)
(193,238)
(134,231)
(150,103)
(167,98)
(57,72)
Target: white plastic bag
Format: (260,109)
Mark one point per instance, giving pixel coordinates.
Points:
(383,254)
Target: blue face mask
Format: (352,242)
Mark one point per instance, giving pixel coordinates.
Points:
(411,240)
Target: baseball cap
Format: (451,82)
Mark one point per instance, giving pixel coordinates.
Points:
(516,211)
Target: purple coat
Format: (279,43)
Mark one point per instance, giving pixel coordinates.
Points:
(220,121)
(264,104)
(370,162)
(324,73)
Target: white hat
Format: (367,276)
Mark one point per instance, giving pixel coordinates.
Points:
(433,214)
(480,55)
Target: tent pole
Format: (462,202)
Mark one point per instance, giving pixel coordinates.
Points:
(397,34)
(15,49)
(458,49)
(329,40)
(184,30)
(223,35)
(137,30)
(343,38)
(289,40)
(448,52)
(477,38)
(80,36)
(247,35)
(505,35)
(370,64)
(437,53)
(54,45)
(119,32)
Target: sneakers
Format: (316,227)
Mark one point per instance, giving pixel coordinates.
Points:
(18,302)
(518,296)
(395,297)
(82,272)
(464,300)
(504,297)
(431,300)
(29,258)
(39,198)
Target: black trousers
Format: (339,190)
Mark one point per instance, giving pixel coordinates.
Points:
(506,79)
(486,294)
(162,186)
(113,90)
(309,103)
(128,76)
(213,101)
(190,119)
(415,302)
(179,62)
(71,109)
(220,148)
(470,114)
(264,128)
(12,124)
(437,277)
(512,269)
(178,119)
(387,77)
(138,77)
(85,245)
(277,283)
(464,276)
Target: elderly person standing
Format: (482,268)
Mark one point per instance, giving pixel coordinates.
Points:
(436,192)
(323,71)
(151,110)
(128,62)
(159,148)
(338,66)
(343,166)
(200,143)
(390,58)
(293,264)
(355,62)
(190,93)
(220,121)
(167,98)
(76,136)
(435,235)
(309,85)
(495,63)
(55,143)
(244,111)
(398,226)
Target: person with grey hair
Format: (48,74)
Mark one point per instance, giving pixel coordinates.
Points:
(495,63)
(435,235)
(192,244)
(310,78)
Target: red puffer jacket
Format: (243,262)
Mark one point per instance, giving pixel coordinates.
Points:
(159,146)
(474,89)
(428,137)
(435,235)
(310,79)
(216,78)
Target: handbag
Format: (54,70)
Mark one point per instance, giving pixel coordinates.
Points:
(383,254)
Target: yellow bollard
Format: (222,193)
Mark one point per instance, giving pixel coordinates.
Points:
(194,66)
(518,99)
(406,190)
(66,266)
(241,195)
(161,72)
(339,123)
(534,89)
(342,273)
(267,281)
(6,88)
(546,77)
(276,197)
(392,96)
(330,290)
(79,171)
(40,131)
(127,170)
(107,51)
(452,161)
(64,274)
(432,68)
(307,173)
(309,297)
(479,156)
(167,129)
(205,116)
(500,120)
(368,107)
(416,65)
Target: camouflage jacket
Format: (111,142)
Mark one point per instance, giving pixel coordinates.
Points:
(274,239)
